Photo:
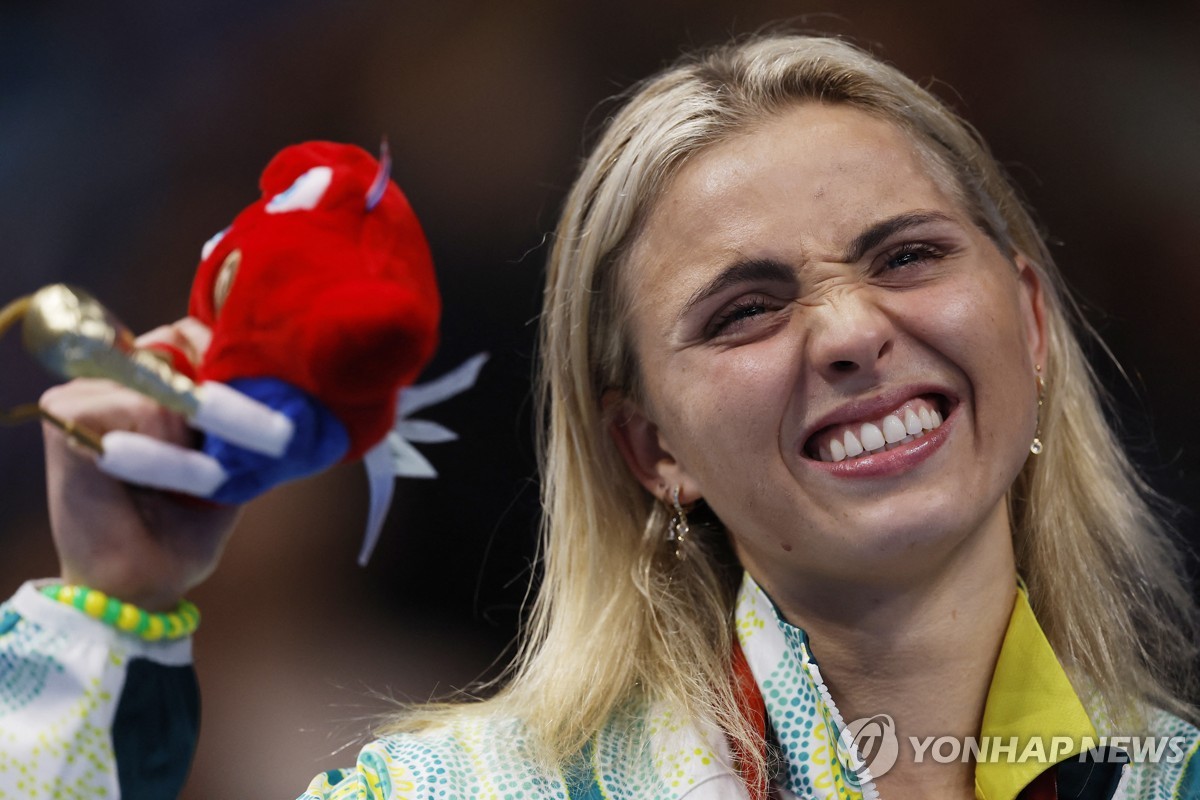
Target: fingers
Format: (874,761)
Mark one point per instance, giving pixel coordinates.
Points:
(135,543)
(222,411)
(102,406)
(80,413)
(189,336)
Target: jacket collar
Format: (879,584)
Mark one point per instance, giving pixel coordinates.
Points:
(1030,700)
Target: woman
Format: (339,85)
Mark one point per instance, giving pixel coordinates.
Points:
(812,396)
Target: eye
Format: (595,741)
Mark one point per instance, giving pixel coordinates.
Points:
(224,282)
(738,313)
(909,255)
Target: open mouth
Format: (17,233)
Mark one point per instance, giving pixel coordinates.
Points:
(911,420)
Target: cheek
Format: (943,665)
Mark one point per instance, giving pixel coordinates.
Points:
(725,403)
(977,327)
(975,322)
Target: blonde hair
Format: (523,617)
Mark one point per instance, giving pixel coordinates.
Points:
(618,621)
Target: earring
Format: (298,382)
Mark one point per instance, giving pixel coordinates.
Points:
(1036,446)
(677,526)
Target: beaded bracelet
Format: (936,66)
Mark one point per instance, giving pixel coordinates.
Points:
(126,617)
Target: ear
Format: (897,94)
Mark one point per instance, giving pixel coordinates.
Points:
(1033,308)
(646,451)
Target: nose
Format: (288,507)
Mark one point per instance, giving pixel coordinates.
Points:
(849,335)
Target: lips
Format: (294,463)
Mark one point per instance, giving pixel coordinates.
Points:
(877,432)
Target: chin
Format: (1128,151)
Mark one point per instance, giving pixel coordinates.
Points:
(922,534)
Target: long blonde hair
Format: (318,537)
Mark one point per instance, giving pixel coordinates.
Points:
(617,620)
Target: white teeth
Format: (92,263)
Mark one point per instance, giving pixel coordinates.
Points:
(872,437)
(890,432)
(893,429)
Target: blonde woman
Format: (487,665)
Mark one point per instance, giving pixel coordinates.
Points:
(831,506)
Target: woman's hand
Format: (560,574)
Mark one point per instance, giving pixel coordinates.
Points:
(140,545)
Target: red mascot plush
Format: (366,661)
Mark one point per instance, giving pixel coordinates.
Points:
(322,302)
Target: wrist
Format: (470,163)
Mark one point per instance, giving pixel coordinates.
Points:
(130,589)
(179,622)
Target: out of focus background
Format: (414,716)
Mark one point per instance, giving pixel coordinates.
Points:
(130,133)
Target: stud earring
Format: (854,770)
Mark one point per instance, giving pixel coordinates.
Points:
(677,526)
(1036,446)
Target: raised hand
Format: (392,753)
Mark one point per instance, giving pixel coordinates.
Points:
(143,546)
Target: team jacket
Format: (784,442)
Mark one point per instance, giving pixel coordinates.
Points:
(86,712)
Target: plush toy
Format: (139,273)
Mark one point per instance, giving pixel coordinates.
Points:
(322,303)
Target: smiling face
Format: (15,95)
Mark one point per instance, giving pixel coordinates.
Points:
(807,289)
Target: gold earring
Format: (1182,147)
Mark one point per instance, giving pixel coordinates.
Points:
(1036,446)
(677,526)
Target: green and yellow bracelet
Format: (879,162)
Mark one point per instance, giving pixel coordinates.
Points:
(126,617)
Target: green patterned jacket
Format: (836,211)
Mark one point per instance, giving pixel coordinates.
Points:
(87,712)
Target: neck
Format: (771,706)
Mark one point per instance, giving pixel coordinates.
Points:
(922,651)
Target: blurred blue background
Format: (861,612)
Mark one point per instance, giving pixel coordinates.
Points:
(131,132)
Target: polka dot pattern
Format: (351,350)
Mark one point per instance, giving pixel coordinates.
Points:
(802,715)
(477,758)
(57,701)
(57,750)
(24,670)
(489,758)
(1169,779)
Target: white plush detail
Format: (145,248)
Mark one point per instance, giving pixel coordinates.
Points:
(395,456)
(211,244)
(242,420)
(407,461)
(146,461)
(381,478)
(414,398)
(304,194)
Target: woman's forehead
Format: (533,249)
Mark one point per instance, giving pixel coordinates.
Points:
(805,182)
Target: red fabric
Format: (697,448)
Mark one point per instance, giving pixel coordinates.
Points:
(337,300)
(178,359)
(754,711)
(1043,787)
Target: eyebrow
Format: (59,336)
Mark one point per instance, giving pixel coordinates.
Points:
(754,269)
(766,269)
(882,231)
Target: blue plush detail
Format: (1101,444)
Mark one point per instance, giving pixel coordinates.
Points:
(320,442)
(8,621)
